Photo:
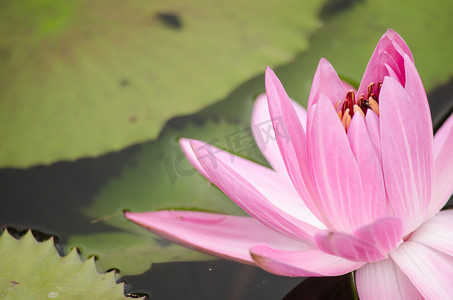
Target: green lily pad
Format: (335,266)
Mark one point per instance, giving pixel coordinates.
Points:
(33,270)
(81,79)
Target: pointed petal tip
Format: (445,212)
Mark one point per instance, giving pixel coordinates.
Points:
(186,144)
(183,142)
(327,82)
(275,92)
(134,217)
(197,146)
(205,156)
(396,38)
(270,77)
(324,61)
(269,71)
(389,81)
(325,66)
(391,34)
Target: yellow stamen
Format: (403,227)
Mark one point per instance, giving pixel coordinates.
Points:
(337,104)
(348,121)
(344,120)
(374,106)
(370,89)
(340,114)
(358,109)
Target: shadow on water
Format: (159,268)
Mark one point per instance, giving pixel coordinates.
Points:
(441,104)
(323,288)
(50,198)
(218,279)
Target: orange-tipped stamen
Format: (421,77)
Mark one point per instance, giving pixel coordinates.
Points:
(350,106)
(374,106)
(359,110)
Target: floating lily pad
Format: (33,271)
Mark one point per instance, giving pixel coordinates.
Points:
(82,78)
(33,270)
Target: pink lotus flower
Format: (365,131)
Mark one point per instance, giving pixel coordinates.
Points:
(357,184)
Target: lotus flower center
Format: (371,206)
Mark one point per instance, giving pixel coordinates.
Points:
(362,105)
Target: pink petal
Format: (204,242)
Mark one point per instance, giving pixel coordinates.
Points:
(383,65)
(384,280)
(398,40)
(291,141)
(301,263)
(265,135)
(414,88)
(373,202)
(395,47)
(443,174)
(391,73)
(430,271)
(368,243)
(226,236)
(443,135)
(261,192)
(373,127)
(336,172)
(385,233)
(406,155)
(437,232)
(191,157)
(348,246)
(327,82)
